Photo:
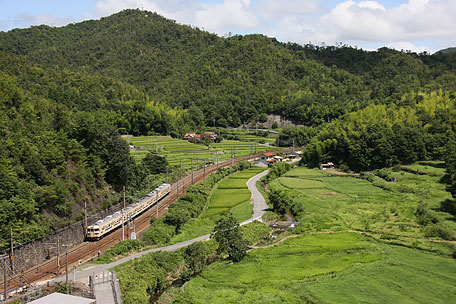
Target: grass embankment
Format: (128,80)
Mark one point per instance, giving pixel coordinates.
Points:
(327,265)
(327,268)
(341,202)
(230,194)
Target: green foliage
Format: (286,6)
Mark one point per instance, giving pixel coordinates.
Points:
(158,233)
(255,232)
(155,163)
(121,248)
(334,202)
(329,268)
(67,93)
(379,136)
(196,256)
(141,278)
(283,203)
(450,162)
(229,237)
(277,170)
(439,231)
(189,206)
(424,215)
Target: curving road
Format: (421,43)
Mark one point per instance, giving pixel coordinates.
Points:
(259,208)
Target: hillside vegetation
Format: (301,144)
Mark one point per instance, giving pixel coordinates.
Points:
(67,93)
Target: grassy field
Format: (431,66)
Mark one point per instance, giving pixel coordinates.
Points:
(342,202)
(230,194)
(182,152)
(327,268)
(327,263)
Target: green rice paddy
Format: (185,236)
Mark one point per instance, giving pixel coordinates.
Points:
(231,194)
(328,264)
(327,268)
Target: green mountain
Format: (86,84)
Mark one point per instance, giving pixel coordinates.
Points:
(234,79)
(67,93)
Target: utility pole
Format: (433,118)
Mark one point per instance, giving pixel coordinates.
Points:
(191,162)
(123,197)
(148,184)
(121,214)
(166,175)
(11,251)
(128,227)
(85,218)
(66,264)
(293,146)
(156,195)
(4,277)
(177,187)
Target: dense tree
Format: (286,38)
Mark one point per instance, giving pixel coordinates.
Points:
(155,163)
(229,237)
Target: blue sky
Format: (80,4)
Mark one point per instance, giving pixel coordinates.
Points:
(417,25)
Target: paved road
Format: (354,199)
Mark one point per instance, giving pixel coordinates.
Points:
(259,203)
(104,291)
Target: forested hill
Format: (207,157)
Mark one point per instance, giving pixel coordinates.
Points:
(231,79)
(66,95)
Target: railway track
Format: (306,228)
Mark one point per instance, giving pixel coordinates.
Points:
(87,251)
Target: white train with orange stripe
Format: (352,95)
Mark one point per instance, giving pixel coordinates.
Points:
(111,222)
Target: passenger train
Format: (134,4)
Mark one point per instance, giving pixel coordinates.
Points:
(111,222)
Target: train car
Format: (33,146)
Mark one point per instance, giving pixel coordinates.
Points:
(113,221)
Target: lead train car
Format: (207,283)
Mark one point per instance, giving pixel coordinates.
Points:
(111,222)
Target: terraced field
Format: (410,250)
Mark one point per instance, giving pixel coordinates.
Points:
(183,153)
(346,248)
(327,268)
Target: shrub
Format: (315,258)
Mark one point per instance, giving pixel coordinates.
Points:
(439,231)
(424,215)
(158,233)
(255,232)
(121,248)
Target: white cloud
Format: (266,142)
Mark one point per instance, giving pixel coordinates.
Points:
(273,9)
(26,20)
(364,22)
(226,16)
(408,46)
(219,17)
(356,22)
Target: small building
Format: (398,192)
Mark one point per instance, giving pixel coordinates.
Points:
(293,155)
(277,158)
(265,160)
(188,136)
(327,166)
(267,156)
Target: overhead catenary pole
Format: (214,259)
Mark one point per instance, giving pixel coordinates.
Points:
(156,201)
(123,197)
(4,279)
(121,214)
(11,250)
(66,263)
(191,161)
(85,218)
